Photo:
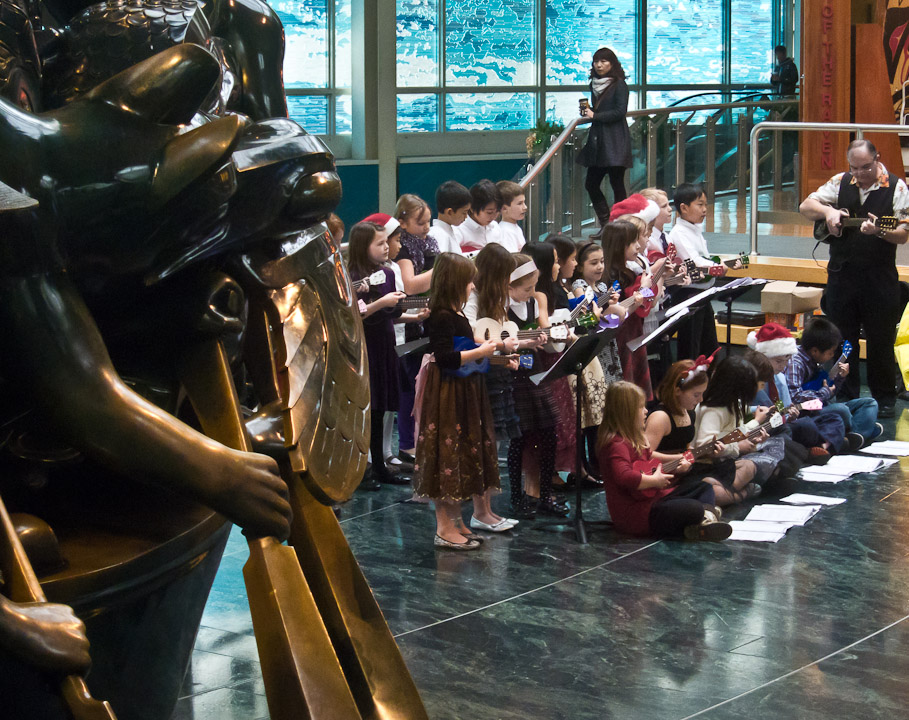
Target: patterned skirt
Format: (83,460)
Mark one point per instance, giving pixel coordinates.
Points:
(456,448)
(501,402)
(533,403)
(562,391)
(594,398)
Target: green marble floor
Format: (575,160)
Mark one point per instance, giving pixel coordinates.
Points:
(536,626)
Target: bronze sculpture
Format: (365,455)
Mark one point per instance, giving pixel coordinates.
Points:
(164,270)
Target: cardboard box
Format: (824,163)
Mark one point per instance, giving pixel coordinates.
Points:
(785,297)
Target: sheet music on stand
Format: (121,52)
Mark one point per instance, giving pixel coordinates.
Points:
(662,328)
(693,300)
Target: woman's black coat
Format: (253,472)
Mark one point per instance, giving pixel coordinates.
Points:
(609,141)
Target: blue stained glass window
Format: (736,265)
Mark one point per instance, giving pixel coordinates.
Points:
(418,43)
(306,42)
(575,29)
(665,98)
(343,37)
(563,106)
(752,41)
(684,41)
(490,43)
(489,111)
(418,113)
(343,115)
(310,111)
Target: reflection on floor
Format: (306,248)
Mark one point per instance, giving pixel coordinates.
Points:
(536,626)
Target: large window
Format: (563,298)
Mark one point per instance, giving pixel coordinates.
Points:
(317,72)
(478,65)
(446,47)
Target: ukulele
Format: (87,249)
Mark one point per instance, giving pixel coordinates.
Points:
(718,268)
(649,467)
(612,320)
(377,278)
(413,301)
(482,365)
(821,376)
(822,233)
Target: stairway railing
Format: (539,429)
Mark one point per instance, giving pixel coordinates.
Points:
(707,143)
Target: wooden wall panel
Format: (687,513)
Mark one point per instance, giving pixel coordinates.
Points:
(873,100)
(825,88)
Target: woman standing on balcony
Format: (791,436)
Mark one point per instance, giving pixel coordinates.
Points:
(608,148)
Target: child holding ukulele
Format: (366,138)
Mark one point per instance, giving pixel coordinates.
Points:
(456,455)
(644,499)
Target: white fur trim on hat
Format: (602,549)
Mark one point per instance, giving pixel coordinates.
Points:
(773,348)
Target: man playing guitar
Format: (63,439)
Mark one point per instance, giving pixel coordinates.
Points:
(862,281)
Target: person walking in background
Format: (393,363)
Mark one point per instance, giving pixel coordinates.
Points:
(785,75)
(608,147)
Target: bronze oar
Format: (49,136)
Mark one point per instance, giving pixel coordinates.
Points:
(303,677)
(24,587)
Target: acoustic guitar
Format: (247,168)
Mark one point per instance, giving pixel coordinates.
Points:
(887,222)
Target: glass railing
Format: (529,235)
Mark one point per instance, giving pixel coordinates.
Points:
(706,142)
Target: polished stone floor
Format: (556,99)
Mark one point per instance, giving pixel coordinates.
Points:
(537,626)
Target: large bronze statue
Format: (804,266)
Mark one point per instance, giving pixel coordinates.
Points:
(180,337)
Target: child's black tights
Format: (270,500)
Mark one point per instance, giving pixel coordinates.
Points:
(545,443)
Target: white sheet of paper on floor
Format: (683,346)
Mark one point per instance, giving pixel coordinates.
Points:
(854,463)
(888,447)
(803,499)
(793,514)
(751,531)
(818,474)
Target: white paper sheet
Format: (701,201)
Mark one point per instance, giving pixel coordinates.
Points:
(751,531)
(793,514)
(803,499)
(821,478)
(853,463)
(888,447)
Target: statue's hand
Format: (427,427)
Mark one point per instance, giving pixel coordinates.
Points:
(46,635)
(249,491)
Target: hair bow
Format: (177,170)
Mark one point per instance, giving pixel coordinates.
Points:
(701,365)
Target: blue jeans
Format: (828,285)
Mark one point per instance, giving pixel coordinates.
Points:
(858,415)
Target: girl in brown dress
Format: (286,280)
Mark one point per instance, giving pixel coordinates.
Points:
(456,443)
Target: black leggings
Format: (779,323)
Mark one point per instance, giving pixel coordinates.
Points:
(546,444)
(684,506)
(595,177)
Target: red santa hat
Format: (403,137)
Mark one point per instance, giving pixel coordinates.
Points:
(386,221)
(772,340)
(636,205)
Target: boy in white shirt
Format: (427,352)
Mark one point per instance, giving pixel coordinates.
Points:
(696,336)
(480,227)
(452,203)
(514,208)
(687,234)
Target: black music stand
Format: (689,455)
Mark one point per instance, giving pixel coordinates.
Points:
(572,362)
(730,293)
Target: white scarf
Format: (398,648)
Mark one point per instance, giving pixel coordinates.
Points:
(599,85)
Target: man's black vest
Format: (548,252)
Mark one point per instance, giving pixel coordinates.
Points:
(853,248)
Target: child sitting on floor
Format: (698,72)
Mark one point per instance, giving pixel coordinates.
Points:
(820,344)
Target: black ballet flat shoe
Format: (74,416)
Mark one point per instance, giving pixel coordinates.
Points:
(526,509)
(553,507)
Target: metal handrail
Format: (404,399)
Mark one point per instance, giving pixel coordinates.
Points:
(858,128)
(546,158)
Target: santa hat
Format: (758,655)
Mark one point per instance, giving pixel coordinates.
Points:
(772,340)
(386,221)
(636,205)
